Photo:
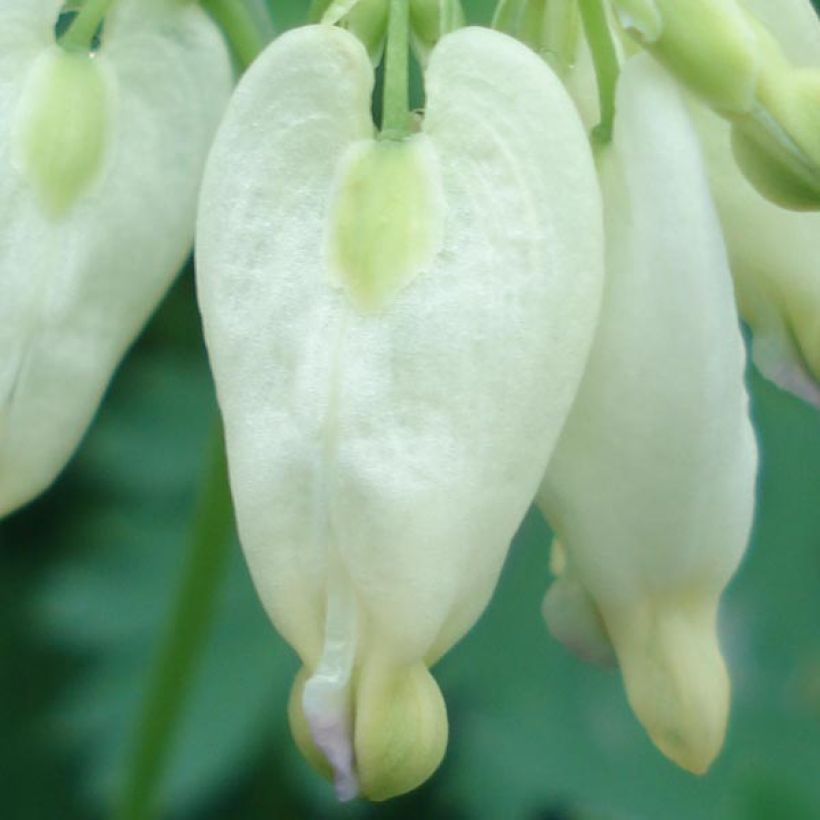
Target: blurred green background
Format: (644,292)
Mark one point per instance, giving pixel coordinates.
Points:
(89,572)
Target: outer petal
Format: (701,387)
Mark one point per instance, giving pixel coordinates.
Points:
(381,462)
(76,289)
(651,487)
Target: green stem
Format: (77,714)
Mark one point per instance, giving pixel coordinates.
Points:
(240,28)
(183,643)
(396,100)
(80,34)
(607,68)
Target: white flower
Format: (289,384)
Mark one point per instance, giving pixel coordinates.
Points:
(100,161)
(396,329)
(651,488)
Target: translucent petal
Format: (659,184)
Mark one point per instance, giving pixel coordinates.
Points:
(76,288)
(651,486)
(392,453)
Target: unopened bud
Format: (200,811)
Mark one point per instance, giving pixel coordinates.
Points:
(707,44)
(430,20)
(777,144)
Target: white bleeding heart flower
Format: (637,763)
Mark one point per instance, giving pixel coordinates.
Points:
(100,162)
(397,329)
(651,487)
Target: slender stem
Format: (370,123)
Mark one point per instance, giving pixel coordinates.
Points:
(605,58)
(80,34)
(396,101)
(183,643)
(240,28)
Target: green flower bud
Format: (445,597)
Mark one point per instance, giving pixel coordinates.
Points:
(366,19)
(62,126)
(430,20)
(777,143)
(708,44)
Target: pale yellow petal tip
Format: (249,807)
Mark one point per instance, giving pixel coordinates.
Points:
(398,730)
(677,684)
(401,729)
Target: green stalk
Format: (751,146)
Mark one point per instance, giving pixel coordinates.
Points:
(183,643)
(607,68)
(80,34)
(239,27)
(396,100)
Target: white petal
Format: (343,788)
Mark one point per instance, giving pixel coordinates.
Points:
(77,289)
(651,487)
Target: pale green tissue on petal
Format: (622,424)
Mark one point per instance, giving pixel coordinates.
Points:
(381,459)
(651,487)
(386,219)
(775,260)
(77,287)
(62,123)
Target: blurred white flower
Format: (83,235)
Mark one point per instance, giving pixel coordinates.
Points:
(100,161)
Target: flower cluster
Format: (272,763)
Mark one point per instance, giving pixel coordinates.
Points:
(523,293)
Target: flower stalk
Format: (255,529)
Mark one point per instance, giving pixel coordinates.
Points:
(605,59)
(396,105)
(79,36)
(187,631)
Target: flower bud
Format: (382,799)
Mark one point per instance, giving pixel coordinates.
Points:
(430,20)
(708,44)
(777,143)
(651,487)
(774,252)
(774,256)
(386,320)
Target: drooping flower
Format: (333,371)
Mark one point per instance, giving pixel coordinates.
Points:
(651,487)
(397,328)
(100,159)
